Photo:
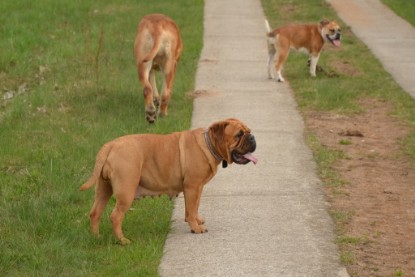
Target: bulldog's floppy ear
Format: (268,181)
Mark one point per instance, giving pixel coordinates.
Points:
(217,130)
(217,135)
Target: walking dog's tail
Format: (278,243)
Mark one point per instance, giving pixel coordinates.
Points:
(153,52)
(99,164)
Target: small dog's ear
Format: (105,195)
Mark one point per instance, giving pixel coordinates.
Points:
(324,22)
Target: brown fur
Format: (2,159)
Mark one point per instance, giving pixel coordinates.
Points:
(140,165)
(307,37)
(157,47)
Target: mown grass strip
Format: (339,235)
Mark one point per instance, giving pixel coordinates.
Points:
(68,84)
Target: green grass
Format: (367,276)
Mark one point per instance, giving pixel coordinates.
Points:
(345,142)
(398,273)
(347,258)
(325,159)
(403,8)
(352,240)
(69,66)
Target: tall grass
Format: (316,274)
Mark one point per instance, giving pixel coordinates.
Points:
(68,84)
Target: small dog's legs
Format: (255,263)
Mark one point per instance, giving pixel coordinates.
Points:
(280,78)
(282,57)
(271,60)
(313,64)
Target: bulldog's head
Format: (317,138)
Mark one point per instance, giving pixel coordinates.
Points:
(331,31)
(233,141)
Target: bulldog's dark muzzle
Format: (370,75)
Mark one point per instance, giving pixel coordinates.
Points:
(251,142)
(244,154)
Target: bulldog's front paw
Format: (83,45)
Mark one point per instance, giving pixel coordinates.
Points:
(199,229)
(200,220)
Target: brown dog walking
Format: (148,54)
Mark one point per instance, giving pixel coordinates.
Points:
(140,165)
(157,47)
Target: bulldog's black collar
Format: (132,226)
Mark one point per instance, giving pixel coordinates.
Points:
(213,150)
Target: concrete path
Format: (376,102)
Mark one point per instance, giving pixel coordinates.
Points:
(265,220)
(389,37)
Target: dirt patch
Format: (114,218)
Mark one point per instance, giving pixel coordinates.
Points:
(207,60)
(345,68)
(202,93)
(379,193)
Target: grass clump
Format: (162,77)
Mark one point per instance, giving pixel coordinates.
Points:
(325,159)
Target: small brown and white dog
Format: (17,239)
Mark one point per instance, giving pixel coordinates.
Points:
(157,47)
(304,37)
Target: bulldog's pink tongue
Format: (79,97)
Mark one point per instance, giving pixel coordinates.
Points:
(336,42)
(251,157)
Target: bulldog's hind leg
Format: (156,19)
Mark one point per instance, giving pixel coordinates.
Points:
(124,188)
(103,192)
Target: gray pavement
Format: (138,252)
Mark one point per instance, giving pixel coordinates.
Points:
(268,219)
(388,36)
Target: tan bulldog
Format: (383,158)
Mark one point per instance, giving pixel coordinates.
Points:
(140,165)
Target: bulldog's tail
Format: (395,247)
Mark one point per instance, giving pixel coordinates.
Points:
(99,164)
(153,52)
